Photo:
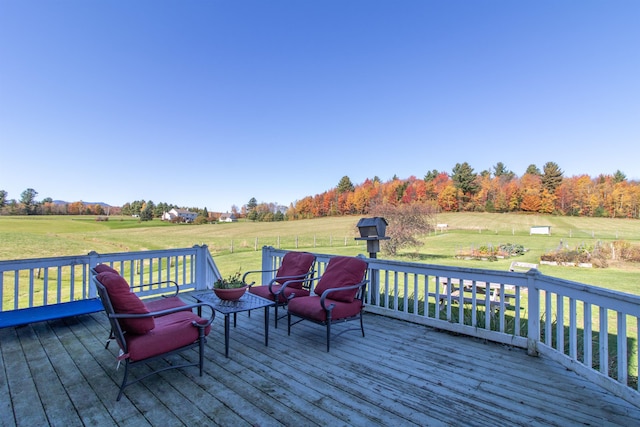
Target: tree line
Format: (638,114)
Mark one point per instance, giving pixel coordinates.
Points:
(29,205)
(545,191)
(497,190)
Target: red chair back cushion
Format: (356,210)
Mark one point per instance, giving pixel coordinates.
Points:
(104,268)
(295,264)
(342,271)
(126,302)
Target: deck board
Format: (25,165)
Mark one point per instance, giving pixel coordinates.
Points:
(59,373)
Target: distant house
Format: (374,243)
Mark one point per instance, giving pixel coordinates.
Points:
(227,217)
(179,213)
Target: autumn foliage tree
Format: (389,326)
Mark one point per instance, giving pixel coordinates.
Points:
(461,190)
(547,192)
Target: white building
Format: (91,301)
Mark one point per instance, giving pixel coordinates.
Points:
(227,217)
(179,213)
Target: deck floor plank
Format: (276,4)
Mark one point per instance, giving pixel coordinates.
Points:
(53,390)
(399,374)
(28,409)
(98,369)
(419,385)
(6,410)
(324,392)
(473,384)
(133,411)
(343,381)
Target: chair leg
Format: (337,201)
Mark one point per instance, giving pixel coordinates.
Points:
(276,309)
(124,380)
(201,340)
(328,329)
(111,338)
(361,324)
(288,323)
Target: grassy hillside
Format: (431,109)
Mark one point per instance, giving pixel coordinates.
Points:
(472,230)
(236,246)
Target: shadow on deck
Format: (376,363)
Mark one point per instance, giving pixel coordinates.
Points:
(58,373)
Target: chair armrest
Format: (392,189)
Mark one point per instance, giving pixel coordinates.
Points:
(326,294)
(292,279)
(167,311)
(175,285)
(244,276)
(209,320)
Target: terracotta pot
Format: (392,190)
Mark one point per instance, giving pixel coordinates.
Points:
(230,294)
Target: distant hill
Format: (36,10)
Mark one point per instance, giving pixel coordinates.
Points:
(103,204)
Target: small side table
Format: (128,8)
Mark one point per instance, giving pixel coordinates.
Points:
(247,302)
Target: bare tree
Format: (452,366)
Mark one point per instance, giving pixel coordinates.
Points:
(407,223)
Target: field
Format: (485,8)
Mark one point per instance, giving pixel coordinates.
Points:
(236,246)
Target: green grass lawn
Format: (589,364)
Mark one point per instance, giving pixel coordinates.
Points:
(236,246)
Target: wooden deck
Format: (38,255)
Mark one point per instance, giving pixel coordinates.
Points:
(58,373)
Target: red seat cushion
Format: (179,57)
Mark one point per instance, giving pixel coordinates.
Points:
(310,308)
(164,304)
(171,332)
(104,268)
(263,291)
(126,302)
(294,264)
(342,271)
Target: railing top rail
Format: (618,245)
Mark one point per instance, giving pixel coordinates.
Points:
(603,297)
(19,264)
(144,254)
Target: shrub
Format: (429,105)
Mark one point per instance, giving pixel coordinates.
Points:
(512,249)
(582,254)
(623,251)
(200,219)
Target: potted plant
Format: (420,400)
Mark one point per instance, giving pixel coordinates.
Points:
(231,289)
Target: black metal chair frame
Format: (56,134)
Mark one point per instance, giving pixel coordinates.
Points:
(120,339)
(305,278)
(94,273)
(329,308)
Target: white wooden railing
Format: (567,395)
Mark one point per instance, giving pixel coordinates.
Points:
(48,288)
(578,325)
(572,323)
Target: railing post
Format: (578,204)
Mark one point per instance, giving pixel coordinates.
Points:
(374,283)
(92,260)
(267,262)
(201,267)
(533,322)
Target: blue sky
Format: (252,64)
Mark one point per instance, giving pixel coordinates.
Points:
(211,103)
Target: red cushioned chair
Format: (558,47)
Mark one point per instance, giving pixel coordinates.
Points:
(338,296)
(291,279)
(165,303)
(144,335)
